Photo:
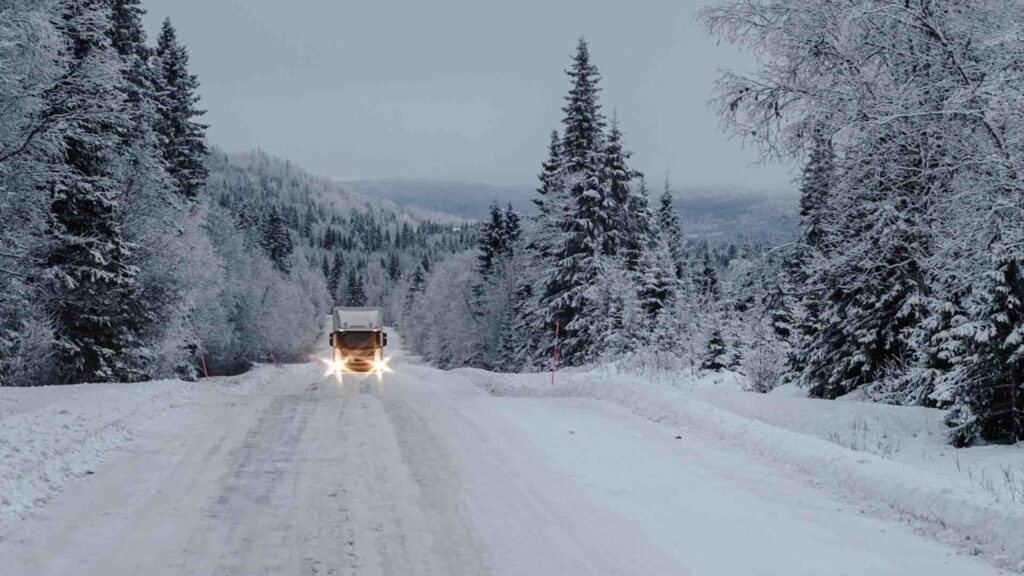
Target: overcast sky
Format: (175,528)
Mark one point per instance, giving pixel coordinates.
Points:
(466,89)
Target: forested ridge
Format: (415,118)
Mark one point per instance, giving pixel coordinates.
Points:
(129,250)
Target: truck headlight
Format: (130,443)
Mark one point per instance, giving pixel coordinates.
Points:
(381,365)
(335,366)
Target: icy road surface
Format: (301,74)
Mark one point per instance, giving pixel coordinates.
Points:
(429,475)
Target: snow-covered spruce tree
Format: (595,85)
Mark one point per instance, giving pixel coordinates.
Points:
(764,358)
(656,276)
(492,241)
(355,291)
(417,282)
(165,230)
(671,229)
(275,239)
(126,34)
(706,282)
(874,283)
(183,137)
(512,231)
(659,298)
(575,267)
(394,267)
(986,383)
(552,204)
(626,214)
(515,343)
(817,180)
(87,262)
(499,271)
(334,276)
(528,342)
(759,319)
(544,238)
(619,324)
(716,352)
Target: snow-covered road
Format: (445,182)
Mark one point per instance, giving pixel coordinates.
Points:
(428,474)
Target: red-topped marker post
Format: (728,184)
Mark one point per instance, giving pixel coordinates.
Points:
(554,353)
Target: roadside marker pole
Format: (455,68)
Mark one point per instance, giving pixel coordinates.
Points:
(554,353)
(270,352)
(202,360)
(199,349)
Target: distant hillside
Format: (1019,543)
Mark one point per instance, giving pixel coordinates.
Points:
(267,175)
(730,218)
(344,234)
(465,199)
(716,215)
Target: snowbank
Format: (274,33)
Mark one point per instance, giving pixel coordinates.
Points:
(53,434)
(890,461)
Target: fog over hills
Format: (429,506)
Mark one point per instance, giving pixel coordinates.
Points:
(461,198)
(714,214)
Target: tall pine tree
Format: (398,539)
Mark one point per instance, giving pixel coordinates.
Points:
(985,386)
(576,267)
(88,262)
(335,275)
(624,217)
(492,241)
(276,240)
(417,284)
(707,279)
(355,294)
(873,287)
(816,182)
(183,137)
(671,229)
(552,204)
(512,231)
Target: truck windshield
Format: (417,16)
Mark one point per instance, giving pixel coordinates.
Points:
(357,340)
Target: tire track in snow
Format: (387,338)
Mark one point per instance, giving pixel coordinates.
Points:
(257,501)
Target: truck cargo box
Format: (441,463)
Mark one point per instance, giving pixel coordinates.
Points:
(346,318)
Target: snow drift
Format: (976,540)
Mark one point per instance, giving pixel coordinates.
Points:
(951,507)
(52,435)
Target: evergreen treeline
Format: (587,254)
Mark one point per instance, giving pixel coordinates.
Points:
(906,281)
(365,251)
(908,117)
(128,251)
(605,263)
(101,157)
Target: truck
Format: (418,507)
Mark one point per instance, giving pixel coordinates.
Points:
(358,339)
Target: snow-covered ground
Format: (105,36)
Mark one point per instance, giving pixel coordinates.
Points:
(889,461)
(51,435)
(284,471)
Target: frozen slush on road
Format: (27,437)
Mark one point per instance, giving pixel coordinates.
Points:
(293,473)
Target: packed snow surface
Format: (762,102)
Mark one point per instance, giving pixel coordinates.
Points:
(892,462)
(289,472)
